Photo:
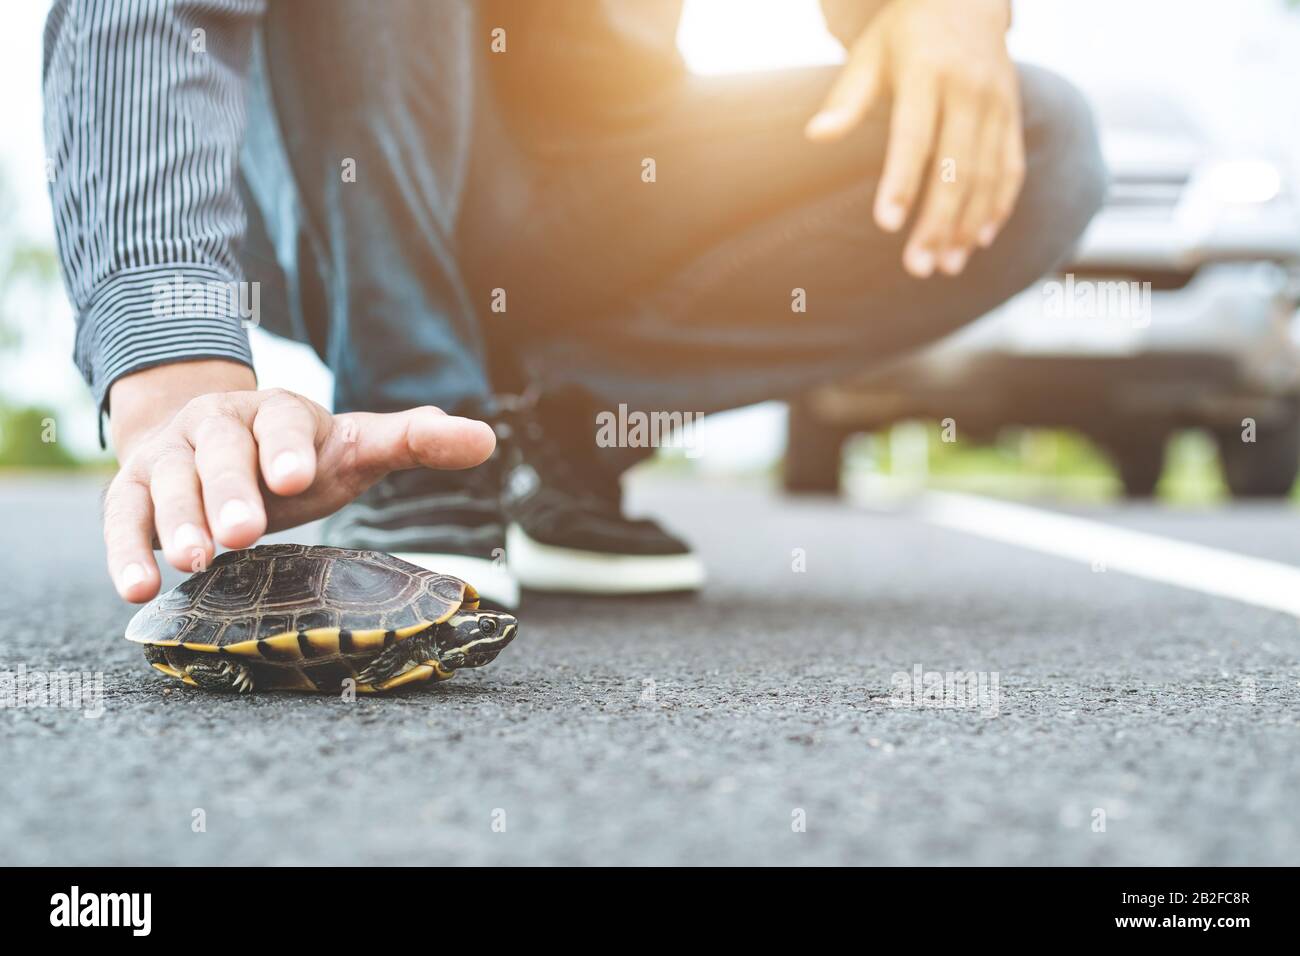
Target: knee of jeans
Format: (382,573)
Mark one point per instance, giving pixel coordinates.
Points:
(1065,174)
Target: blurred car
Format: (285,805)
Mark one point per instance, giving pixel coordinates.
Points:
(1177,310)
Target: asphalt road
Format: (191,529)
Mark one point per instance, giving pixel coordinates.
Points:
(700,730)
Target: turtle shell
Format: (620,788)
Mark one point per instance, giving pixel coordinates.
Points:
(287,602)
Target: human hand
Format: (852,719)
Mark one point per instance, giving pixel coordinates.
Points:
(207,459)
(955,125)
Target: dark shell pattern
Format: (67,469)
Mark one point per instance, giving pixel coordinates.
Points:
(280,589)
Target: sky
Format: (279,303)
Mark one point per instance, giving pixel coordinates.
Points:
(1235,65)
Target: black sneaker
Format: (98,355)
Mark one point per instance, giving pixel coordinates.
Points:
(448,521)
(566,531)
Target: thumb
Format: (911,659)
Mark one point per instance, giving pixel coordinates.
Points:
(417,438)
(855,89)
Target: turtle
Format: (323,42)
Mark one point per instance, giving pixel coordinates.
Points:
(311,618)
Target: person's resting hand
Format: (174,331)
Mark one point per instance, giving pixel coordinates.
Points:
(207,457)
(956,108)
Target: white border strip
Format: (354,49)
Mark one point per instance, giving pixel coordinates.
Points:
(1257,581)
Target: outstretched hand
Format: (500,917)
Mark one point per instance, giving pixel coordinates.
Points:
(228,466)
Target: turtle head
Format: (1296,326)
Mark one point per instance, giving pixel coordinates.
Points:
(474,638)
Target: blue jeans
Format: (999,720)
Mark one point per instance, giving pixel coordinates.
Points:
(667,295)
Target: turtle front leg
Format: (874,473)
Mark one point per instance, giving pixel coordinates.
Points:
(400,658)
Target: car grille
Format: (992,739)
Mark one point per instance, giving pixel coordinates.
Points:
(1145,196)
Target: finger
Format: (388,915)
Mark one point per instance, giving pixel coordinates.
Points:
(1012,177)
(931,241)
(226,459)
(287,429)
(977,226)
(128,535)
(907,155)
(420,437)
(854,91)
(178,512)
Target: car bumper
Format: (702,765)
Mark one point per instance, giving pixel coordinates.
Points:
(1218,346)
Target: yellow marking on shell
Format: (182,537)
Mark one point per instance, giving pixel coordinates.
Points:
(405,632)
(244,649)
(468,603)
(321,638)
(187,679)
(284,643)
(206,648)
(368,640)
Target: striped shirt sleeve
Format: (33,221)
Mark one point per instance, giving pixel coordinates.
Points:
(144,120)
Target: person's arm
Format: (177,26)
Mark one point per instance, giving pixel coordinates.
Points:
(956,149)
(144,121)
(144,105)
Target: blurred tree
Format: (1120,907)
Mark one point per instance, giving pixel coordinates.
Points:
(28,436)
(21,261)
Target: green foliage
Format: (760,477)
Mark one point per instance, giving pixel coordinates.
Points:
(22,262)
(29,439)
(1056,462)
(28,272)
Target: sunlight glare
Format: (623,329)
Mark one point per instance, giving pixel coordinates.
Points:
(737,36)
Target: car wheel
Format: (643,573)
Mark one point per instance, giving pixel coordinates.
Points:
(1264,468)
(813,452)
(1140,460)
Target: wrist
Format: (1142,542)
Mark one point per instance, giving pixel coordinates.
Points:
(143,402)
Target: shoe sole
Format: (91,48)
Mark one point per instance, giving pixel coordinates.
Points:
(547,567)
(495,585)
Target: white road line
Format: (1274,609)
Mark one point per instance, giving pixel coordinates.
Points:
(1257,581)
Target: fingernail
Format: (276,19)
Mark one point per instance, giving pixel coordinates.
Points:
(889,215)
(919,262)
(286,464)
(188,538)
(131,575)
(953,261)
(987,235)
(235,513)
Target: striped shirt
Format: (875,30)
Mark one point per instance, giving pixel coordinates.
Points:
(144,117)
(145,107)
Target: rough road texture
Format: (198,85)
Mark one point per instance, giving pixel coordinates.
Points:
(692,731)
